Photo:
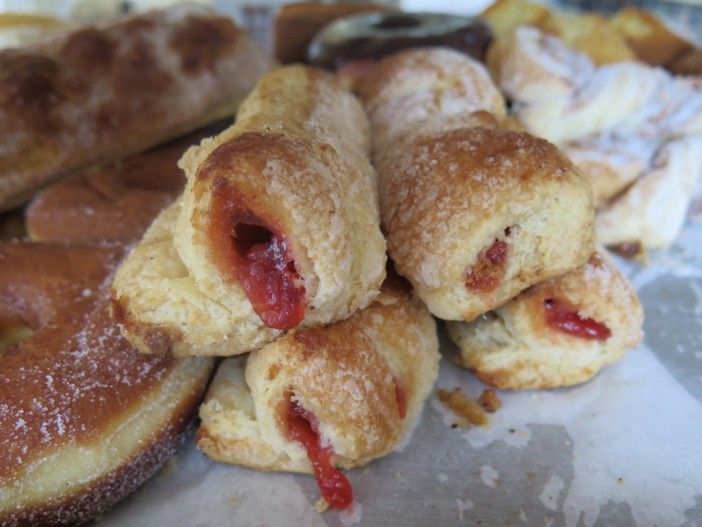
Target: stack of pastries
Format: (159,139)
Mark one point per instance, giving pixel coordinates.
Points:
(273,257)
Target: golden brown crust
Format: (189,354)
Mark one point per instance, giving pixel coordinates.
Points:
(102,92)
(345,374)
(473,212)
(74,394)
(516,347)
(296,164)
(687,63)
(651,40)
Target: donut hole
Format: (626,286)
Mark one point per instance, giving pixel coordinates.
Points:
(247,235)
(12,332)
(397,22)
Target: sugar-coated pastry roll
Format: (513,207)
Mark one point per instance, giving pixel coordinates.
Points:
(325,398)
(474,210)
(278,227)
(557,333)
(101,92)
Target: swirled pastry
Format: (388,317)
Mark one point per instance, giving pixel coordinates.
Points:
(102,92)
(474,212)
(84,417)
(632,128)
(325,398)
(557,333)
(278,226)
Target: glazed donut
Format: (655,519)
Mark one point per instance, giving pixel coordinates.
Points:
(474,213)
(375,35)
(84,417)
(326,397)
(278,226)
(99,93)
(113,203)
(557,333)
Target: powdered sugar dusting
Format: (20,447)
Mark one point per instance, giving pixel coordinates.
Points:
(76,371)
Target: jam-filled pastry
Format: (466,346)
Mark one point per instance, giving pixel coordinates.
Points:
(474,210)
(116,202)
(101,92)
(557,333)
(321,399)
(84,417)
(278,227)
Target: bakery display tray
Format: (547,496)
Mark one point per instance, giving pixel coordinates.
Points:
(623,449)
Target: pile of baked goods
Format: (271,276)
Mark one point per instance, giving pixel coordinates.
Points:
(308,244)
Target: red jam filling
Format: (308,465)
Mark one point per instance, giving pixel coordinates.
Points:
(259,257)
(303,428)
(485,275)
(401,399)
(563,317)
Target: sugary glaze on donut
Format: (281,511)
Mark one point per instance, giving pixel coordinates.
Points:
(72,332)
(303,427)
(252,251)
(73,379)
(488,271)
(564,317)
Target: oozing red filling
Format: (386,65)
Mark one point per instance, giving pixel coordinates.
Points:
(563,317)
(485,275)
(303,428)
(401,399)
(259,257)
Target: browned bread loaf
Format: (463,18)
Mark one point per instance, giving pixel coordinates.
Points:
(99,93)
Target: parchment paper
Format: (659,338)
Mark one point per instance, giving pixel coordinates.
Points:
(624,449)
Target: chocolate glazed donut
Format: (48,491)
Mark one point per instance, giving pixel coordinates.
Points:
(375,35)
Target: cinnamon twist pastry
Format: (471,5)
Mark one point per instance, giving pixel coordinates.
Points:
(84,417)
(99,93)
(474,212)
(632,128)
(557,333)
(278,226)
(325,398)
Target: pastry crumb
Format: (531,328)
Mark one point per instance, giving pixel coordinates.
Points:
(632,251)
(462,406)
(320,505)
(489,401)
(234,501)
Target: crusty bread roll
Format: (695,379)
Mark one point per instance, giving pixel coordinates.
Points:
(633,129)
(278,226)
(557,333)
(353,389)
(84,417)
(474,212)
(99,93)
